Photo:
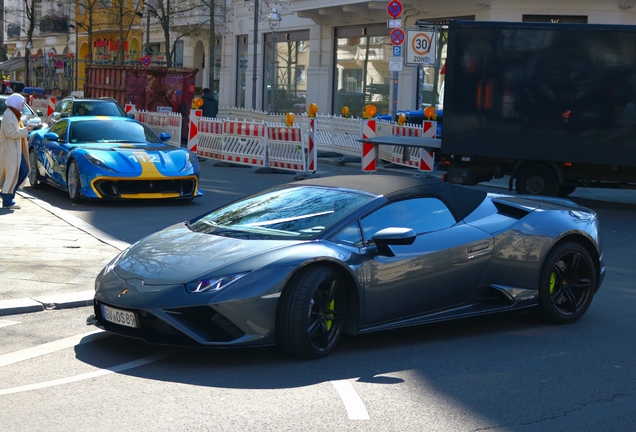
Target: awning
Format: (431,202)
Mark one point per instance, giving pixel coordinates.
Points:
(13,64)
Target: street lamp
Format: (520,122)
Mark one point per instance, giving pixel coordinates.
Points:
(274,20)
(140,15)
(254,76)
(75,65)
(29,47)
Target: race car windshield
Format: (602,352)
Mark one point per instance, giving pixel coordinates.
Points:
(109,131)
(300,212)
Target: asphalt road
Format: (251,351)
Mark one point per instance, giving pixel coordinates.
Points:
(500,373)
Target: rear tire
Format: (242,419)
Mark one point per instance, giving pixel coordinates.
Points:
(35,179)
(311,313)
(536,179)
(568,283)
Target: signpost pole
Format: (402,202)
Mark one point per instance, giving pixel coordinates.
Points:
(395,97)
(394,10)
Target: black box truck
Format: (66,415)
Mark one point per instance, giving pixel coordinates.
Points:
(551,105)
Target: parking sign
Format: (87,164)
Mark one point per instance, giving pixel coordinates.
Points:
(397,51)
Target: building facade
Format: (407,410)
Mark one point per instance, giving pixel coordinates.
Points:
(332,53)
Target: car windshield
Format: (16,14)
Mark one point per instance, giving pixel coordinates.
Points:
(3,107)
(110,131)
(98,108)
(298,212)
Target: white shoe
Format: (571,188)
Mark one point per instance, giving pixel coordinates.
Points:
(14,206)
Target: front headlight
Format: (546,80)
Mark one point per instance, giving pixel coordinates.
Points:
(98,162)
(212,284)
(189,162)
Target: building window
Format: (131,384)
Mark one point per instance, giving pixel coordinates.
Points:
(178,54)
(217,66)
(362,73)
(241,67)
(285,72)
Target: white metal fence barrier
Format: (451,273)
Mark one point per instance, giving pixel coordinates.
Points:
(244,143)
(162,122)
(286,147)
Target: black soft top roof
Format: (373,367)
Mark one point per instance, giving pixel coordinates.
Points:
(461,200)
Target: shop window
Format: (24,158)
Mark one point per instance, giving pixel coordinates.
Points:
(285,72)
(362,69)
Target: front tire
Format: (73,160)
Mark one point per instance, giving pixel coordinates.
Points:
(568,282)
(311,314)
(536,179)
(35,179)
(73,182)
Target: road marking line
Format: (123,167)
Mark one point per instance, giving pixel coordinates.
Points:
(351,400)
(94,374)
(5,323)
(47,348)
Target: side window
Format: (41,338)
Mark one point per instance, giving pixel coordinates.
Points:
(350,236)
(65,107)
(60,129)
(422,215)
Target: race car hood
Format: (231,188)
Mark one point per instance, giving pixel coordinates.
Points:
(127,159)
(177,255)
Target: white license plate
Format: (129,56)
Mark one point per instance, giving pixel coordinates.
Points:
(119,316)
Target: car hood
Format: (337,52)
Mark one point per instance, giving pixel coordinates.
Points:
(177,255)
(128,158)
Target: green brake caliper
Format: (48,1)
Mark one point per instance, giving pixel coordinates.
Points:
(552,282)
(330,309)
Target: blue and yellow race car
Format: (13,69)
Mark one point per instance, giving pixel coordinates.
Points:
(111,158)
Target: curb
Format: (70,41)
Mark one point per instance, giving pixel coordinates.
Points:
(38,304)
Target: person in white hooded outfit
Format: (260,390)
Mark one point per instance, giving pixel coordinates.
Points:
(13,150)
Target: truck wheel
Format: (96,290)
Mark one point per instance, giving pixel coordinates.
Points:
(537,179)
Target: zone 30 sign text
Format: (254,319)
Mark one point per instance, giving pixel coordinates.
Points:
(420,47)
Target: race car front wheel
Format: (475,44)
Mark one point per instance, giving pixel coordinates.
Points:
(34,175)
(311,313)
(73,182)
(568,282)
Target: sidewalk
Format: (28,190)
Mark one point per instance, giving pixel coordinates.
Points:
(48,257)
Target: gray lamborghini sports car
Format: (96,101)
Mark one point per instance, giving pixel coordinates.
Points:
(301,264)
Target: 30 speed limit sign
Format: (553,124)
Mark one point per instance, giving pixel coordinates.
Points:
(420,47)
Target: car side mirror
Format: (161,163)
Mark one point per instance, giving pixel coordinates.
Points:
(393,236)
(164,136)
(130,115)
(40,113)
(64,115)
(51,136)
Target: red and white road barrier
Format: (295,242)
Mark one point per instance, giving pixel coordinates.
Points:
(130,109)
(312,149)
(369,151)
(429,129)
(161,122)
(244,143)
(210,138)
(417,157)
(285,148)
(193,130)
(51,107)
